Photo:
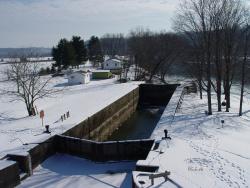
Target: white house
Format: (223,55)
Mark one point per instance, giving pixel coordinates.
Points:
(112,64)
(79,77)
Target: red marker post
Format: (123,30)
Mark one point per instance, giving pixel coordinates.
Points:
(42,115)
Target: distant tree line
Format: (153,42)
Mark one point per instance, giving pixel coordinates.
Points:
(95,52)
(114,44)
(154,53)
(151,53)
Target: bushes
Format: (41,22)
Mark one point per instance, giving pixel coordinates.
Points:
(46,71)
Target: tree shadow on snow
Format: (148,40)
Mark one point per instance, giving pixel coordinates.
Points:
(6,118)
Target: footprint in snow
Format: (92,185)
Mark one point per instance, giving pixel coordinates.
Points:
(216,158)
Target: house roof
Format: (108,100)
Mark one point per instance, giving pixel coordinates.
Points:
(113,60)
(101,71)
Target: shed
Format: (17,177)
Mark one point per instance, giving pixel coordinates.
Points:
(101,74)
(79,77)
(112,64)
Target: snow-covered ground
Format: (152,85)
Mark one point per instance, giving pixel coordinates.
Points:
(82,101)
(66,171)
(201,152)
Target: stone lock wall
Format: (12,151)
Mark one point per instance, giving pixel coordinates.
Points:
(102,124)
(9,174)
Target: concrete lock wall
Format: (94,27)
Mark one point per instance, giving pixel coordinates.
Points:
(103,123)
(9,174)
(41,152)
(156,95)
(104,151)
(99,126)
(23,160)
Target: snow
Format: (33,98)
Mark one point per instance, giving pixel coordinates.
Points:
(201,152)
(82,101)
(67,171)
(101,71)
(6,163)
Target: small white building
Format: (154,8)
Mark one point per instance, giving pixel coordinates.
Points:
(112,64)
(79,77)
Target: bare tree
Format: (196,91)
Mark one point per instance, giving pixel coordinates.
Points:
(138,51)
(195,66)
(233,19)
(114,44)
(194,18)
(173,50)
(243,66)
(213,26)
(154,53)
(29,86)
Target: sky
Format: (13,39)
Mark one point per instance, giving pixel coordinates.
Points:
(41,23)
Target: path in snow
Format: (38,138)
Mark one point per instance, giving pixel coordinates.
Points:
(207,145)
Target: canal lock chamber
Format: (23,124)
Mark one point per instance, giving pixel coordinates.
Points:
(121,130)
(139,125)
(118,132)
(152,102)
(133,116)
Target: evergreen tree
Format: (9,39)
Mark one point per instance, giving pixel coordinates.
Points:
(57,53)
(69,55)
(80,50)
(64,54)
(95,51)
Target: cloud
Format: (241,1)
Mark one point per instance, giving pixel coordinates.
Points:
(43,22)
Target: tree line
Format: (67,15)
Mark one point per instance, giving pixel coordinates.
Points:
(211,38)
(218,32)
(76,52)
(154,53)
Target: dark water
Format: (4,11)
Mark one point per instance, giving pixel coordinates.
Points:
(139,126)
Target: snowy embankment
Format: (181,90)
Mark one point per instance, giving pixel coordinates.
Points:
(202,151)
(81,101)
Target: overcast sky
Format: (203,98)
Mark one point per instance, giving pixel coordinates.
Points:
(41,23)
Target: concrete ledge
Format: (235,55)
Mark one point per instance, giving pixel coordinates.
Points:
(9,174)
(23,160)
(41,152)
